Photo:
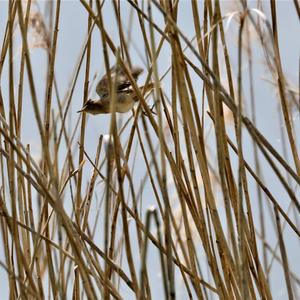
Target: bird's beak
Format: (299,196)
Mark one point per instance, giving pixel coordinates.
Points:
(83,109)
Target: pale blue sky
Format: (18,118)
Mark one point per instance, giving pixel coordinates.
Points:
(72,34)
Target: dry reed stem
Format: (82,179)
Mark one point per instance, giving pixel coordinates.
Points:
(75,221)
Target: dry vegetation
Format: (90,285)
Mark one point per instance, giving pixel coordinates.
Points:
(76,220)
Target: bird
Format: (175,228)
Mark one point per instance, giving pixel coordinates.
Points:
(126,97)
(119,78)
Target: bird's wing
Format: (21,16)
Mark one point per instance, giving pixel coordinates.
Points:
(120,78)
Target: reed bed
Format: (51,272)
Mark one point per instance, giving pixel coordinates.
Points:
(189,195)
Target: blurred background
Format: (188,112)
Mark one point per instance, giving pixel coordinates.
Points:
(261,103)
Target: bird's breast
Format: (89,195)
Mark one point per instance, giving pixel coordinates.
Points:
(124,103)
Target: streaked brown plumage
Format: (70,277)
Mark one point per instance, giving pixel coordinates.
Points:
(119,78)
(124,102)
(125,95)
